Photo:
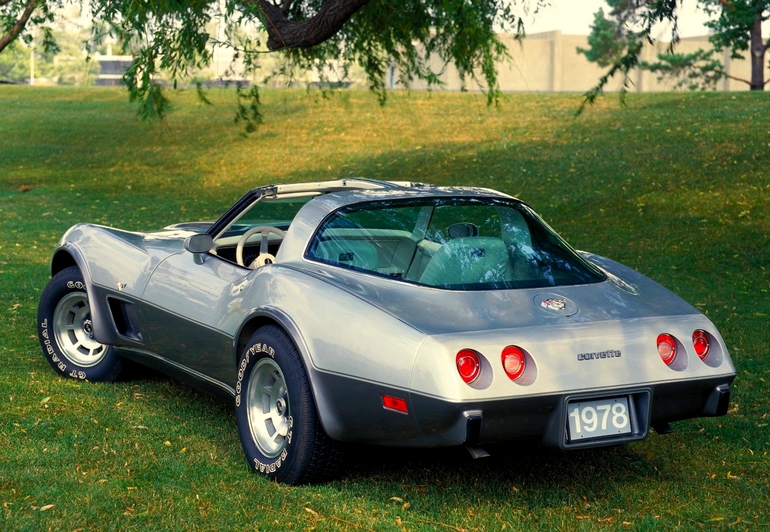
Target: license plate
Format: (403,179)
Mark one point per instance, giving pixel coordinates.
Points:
(598,418)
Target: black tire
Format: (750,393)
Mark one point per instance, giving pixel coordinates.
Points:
(278,424)
(65,331)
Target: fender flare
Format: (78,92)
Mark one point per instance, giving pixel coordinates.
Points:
(327,413)
(100,312)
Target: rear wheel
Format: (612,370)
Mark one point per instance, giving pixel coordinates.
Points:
(66,331)
(278,424)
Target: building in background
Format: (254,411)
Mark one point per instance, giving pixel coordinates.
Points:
(550,62)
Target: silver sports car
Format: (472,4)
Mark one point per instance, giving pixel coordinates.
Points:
(389,313)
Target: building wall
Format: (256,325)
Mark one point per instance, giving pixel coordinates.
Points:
(550,62)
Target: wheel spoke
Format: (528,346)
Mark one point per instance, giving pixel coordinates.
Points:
(69,323)
(275,394)
(282,429)
(268,407)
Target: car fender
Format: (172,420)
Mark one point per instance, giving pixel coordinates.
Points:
(327,412)
(91,247)
(347,386)
(69,254)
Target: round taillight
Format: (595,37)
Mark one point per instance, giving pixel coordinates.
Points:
(702,343)
(514,362)
(666,348)
(468,365)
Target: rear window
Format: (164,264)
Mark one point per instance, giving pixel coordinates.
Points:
(460,244)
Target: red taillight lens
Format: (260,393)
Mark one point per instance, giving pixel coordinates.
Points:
(468,365)
(395,403)
(666,348)
(702,343)
(514,362)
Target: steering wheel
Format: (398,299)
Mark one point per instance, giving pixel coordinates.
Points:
(263,257)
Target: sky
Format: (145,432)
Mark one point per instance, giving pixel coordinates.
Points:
(574,17)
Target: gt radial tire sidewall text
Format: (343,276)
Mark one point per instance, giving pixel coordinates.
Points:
(67,283)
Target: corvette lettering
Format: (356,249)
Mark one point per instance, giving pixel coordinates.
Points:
(612,353)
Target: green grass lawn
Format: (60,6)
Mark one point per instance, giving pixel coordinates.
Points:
(674,185)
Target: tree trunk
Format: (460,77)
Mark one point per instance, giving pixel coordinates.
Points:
(284,33)
(9,37)
(758,48)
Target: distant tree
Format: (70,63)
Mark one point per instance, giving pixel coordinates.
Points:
(14,62)
(696,71)
(737,26)
(616,40)
(63,63)
(611,37)
(632,23)
(69,64)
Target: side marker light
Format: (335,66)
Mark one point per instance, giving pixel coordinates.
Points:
(395,403)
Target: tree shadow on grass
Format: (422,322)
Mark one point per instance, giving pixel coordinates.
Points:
(510,468)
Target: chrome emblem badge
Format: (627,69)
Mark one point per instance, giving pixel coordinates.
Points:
(554,304)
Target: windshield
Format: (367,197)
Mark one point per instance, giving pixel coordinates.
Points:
(257,233)
(268,211)
(461,244)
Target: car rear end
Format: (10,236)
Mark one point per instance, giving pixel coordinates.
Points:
(572,385)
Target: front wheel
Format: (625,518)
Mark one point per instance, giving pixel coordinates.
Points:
(278,425)
(66,331)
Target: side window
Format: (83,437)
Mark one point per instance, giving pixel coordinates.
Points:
(375,239)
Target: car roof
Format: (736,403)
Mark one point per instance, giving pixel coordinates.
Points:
(353,190)
(322,187)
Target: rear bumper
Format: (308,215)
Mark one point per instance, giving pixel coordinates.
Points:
(353,410)
(544,418)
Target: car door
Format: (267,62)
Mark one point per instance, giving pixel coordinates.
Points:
(192,312)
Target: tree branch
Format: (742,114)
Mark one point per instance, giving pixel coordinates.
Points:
(747,82)
(284,33)
(9,37)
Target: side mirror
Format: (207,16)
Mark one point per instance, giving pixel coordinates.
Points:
(197,244)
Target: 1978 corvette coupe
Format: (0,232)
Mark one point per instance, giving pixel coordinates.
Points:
(389,313)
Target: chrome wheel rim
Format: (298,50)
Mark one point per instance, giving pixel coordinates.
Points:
(74,331)
(267,407)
